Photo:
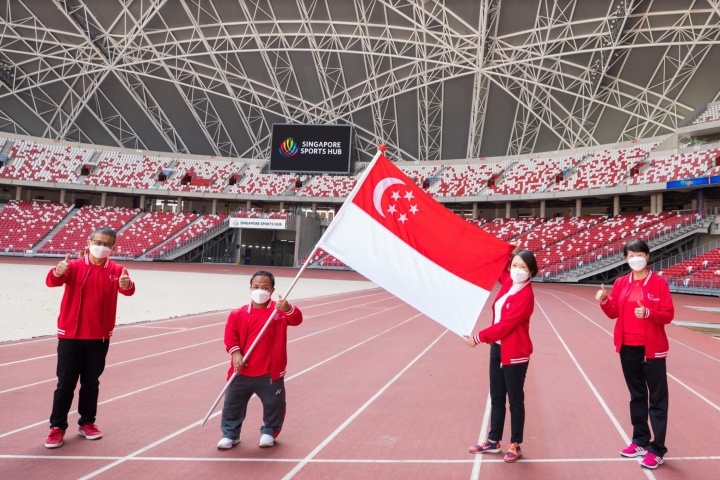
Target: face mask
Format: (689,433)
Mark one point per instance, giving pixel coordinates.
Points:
(637,263)
(98,251)
(518,275)
(260,296)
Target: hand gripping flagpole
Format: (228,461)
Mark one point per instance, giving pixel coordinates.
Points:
(252,346)
(381,150)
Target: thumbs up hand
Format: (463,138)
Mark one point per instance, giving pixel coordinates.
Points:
(601,294)
(124,279)
(62,266)
(640,310)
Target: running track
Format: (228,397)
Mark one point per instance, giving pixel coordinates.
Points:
(374,390)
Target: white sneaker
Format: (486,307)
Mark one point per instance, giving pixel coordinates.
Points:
(266,440)
(227,443)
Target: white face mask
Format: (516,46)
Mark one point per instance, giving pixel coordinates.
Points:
(260,296)
(99,251)
(637,263)
(519,275)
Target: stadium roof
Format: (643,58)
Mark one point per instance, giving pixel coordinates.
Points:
(434,79)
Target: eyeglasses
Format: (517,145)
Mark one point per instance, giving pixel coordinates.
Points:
(101,244)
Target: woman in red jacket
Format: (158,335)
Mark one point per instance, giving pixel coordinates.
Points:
(642,304)
(510,349)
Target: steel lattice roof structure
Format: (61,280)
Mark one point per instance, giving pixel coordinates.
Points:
(433,79)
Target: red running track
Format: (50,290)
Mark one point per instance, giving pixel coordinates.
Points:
(374,389)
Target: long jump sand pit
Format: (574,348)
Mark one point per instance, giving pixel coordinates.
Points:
(29,309)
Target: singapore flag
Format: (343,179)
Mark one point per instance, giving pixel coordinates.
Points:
(393,233)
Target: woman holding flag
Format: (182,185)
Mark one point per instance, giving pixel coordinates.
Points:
(642,304)
(510,349)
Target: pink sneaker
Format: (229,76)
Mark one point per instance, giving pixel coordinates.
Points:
(90,431)
(486,447)
(55,438)
(633,450)
(652,461)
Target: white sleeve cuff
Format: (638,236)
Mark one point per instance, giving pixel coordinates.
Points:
(233,350)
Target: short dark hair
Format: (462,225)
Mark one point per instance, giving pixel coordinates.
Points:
(636,245)
(104,231)
(263,273)
(529,258)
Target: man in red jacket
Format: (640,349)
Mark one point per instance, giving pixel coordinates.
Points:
(85,325)
(263,373)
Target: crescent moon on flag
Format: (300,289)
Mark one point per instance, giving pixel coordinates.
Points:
(380,188)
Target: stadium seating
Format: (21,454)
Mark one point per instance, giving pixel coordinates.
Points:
(509,228)
(677,167)
(711,114)
(330,262)
(151,229)
(74,235)
(530,176)
(329,186)
(24,224)
(705,266)
(463,180)
(605,239)
(45,163)
(206,175)
(205,225)
(127,171)
(555,230)
(256,183)
(605,168)
(419,174)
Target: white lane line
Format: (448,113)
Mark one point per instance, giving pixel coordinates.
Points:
(200,371)
(360,410)
(341,460)
(118,343)
(118,363)
(483,434)
(599,398)
(207,314)
(671,339)
(196,424)
(189,330)
(198,344)
(683,384)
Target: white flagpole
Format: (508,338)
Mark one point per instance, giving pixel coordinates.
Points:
(381,150)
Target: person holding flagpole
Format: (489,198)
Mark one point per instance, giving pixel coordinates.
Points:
(263,375)
(510,349)
(642,304)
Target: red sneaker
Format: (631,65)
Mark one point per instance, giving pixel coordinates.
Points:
(90,431)
(55,439)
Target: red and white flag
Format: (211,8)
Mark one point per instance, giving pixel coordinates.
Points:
(393,233)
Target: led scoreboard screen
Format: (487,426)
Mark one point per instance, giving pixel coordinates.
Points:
(310,148)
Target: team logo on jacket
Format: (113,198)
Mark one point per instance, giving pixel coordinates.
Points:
(653,298)
(113,278)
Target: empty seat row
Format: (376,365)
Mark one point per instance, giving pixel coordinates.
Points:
(45,163)
(24,224)
(711,114)
(126,171)
(151,229)
(677,167)
(73,237)
(201,175)
(205,225)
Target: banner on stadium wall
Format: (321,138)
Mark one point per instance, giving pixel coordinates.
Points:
(690,182)
(259,223)
(715,179)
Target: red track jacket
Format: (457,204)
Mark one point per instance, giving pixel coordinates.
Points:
(236,338)
(659,311)
(514,326)
(74,281)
